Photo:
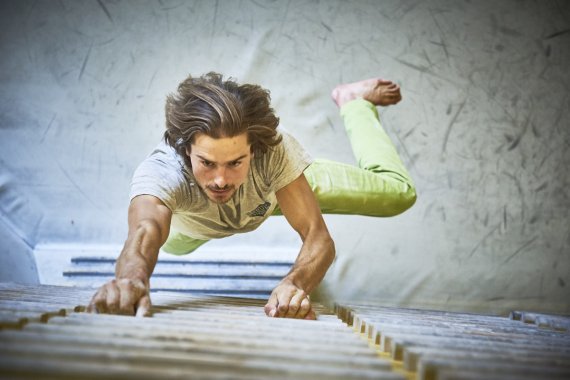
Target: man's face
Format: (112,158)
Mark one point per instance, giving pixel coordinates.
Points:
(220,166)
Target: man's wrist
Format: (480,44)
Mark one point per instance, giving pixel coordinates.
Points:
(295,280)
(135,275)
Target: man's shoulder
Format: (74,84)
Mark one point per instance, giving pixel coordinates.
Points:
(284,162)
(287,146)
(163,174)
(163,166)
(164,159)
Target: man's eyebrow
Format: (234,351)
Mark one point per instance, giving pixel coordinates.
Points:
(234,160)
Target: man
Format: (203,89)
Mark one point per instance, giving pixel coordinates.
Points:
(224,167)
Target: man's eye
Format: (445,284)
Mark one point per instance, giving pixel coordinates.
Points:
(235,163)
(207,163)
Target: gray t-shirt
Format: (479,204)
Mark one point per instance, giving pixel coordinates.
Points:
(164,175)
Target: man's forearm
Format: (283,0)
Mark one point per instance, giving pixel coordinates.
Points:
(129,292)
(139,255)
(134,267)
(316,256)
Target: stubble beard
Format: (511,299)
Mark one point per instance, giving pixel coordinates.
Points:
(211,194)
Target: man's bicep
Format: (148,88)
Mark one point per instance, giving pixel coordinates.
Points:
(148,209)
(299,205)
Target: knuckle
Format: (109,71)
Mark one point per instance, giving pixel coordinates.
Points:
(98,300)
(293,309)
(282,308)
(127,285)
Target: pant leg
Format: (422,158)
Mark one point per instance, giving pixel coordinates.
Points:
(180,244)
(379,186)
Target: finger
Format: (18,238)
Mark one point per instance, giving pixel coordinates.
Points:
(311,315)
(295,304)
(283,300)
(143,306)
(92,308)
(270,307)
(305,308)
(127,299)
(99,302)
(112,299)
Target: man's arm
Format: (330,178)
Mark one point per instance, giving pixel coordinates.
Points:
(300,207)
(128,293)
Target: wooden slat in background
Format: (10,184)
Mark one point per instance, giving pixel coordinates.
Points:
(445,345)
(188,336)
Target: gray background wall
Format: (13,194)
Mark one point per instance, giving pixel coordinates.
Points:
(483,128)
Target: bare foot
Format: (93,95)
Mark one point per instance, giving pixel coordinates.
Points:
(379,92)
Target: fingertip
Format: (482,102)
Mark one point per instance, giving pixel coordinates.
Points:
(143,307)
(305,308)
(270,310)
(311,316)
(292,311)
(142,312)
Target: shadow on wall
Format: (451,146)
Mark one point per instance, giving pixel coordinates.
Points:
(16,257)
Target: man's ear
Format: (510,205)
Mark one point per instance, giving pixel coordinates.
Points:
(188,151)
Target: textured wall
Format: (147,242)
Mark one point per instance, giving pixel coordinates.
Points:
(483,127)
(17,263)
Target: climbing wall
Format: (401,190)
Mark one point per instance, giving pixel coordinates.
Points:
(483,129)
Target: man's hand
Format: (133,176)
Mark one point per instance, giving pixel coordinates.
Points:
(149,225)
(288,301)
(124,296)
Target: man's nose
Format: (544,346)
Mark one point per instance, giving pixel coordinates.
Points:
(221,179)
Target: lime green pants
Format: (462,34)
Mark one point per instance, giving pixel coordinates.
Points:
(379,186)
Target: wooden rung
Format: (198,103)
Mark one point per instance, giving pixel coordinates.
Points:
(430,368)
(212,337)
(413,354)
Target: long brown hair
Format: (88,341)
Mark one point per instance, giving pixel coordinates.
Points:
(219,108)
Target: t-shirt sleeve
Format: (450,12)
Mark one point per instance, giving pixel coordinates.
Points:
(286,162)
(159,175)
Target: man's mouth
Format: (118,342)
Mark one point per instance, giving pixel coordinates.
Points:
(221,191)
